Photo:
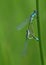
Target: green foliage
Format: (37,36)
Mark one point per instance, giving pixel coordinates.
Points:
(13,12)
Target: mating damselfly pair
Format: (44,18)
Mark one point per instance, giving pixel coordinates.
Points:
(29,21)
(29,32)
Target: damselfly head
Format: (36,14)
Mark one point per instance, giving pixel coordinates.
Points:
(35,11)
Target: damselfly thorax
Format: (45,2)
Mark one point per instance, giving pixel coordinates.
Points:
(28,34)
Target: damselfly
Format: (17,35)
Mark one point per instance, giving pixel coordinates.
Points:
(29,19)
(29,32)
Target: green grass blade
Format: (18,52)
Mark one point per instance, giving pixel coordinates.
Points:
(39,35)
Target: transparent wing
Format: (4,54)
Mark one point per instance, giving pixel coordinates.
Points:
(23,24)
(25,48)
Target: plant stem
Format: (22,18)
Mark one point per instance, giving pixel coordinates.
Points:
(38,26)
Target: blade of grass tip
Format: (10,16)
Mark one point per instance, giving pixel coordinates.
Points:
(38,26)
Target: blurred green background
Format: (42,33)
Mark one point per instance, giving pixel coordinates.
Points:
(12,13)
